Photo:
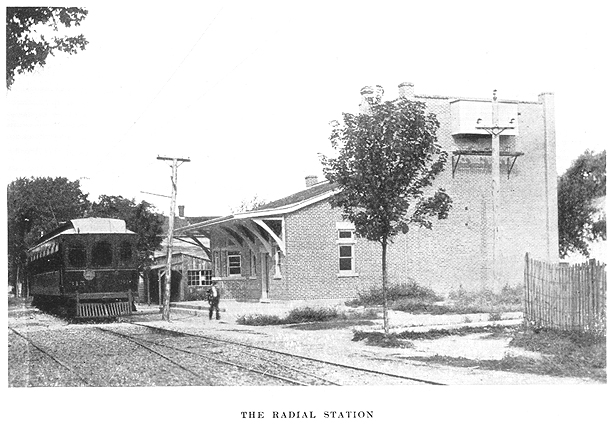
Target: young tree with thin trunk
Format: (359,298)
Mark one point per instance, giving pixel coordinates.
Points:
(386,164)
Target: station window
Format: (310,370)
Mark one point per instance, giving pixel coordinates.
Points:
(102,254)
(77,256)
(345,233)
(234,263)
(346,259)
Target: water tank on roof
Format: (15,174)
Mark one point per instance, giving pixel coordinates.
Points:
(467,115)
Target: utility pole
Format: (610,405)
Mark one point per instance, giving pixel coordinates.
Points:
(495,130)
(171,225)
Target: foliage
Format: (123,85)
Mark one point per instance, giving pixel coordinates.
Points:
(38,205)
(412,298)
(386,161)
(26,48)
(579,220)
(411,290)
(259,320)
(487,301)
(249,204)
(35,207)
(380,339)
(435,333)
(297,315)
(140,218)
(304,315)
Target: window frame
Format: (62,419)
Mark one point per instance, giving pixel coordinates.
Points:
(199,277)
(345,238)
(233,255)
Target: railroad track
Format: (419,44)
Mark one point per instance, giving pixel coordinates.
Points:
(55,359)
(245,361)
(308,367)
(76,357)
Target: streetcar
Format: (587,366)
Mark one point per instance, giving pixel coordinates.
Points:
(85,268)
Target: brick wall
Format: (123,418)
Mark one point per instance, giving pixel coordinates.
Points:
(457,251)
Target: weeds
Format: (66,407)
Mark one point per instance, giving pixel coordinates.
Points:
(487,301)
(381,339)
(411,290)
(304,315)
(563,353)
(433,333)
(413,298)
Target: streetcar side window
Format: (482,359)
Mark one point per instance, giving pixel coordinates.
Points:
(125,252)
(102,254)
(77,256)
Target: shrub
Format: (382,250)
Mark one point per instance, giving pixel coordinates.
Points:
(259,320)
(308,314)
(486,300)
(297,315)
(409,305)
(410,290)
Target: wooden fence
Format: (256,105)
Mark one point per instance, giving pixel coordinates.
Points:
(559,296)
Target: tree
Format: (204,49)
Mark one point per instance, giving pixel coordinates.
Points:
(140,218)
(386,160)
(249,204)
(26,48)
(36,206)
(579,220)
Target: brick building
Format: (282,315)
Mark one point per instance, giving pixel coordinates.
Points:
(299,247)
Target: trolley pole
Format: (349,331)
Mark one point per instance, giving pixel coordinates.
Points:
(495,130)
(171,224)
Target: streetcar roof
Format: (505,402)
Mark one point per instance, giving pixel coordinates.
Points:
(98,225)
(90,225)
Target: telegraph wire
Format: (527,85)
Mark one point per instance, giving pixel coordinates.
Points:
(173,74)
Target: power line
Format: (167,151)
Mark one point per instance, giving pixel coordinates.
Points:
(253,52)
(173,74)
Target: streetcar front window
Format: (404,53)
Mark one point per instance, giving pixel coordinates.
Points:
(77,256)
(125,252)
(102,254)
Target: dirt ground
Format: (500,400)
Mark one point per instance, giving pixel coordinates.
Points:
(334,343)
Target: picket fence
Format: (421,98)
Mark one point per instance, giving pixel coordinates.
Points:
(566,297)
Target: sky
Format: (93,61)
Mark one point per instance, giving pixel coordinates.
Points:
(246,90)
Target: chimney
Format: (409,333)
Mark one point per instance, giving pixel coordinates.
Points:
(406,90)
(310,180)
(181,211)
(370,96)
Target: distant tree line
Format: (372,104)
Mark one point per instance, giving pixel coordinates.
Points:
(38,205)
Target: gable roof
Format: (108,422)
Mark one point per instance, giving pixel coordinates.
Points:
(303,195)
(281,206)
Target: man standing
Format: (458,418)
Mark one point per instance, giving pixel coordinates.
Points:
(214,295)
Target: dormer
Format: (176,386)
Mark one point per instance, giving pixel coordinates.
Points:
(467,115)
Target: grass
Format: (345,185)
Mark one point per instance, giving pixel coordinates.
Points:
(563,353)
(305,315)
(413,298)
(372,337)
(410,290)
